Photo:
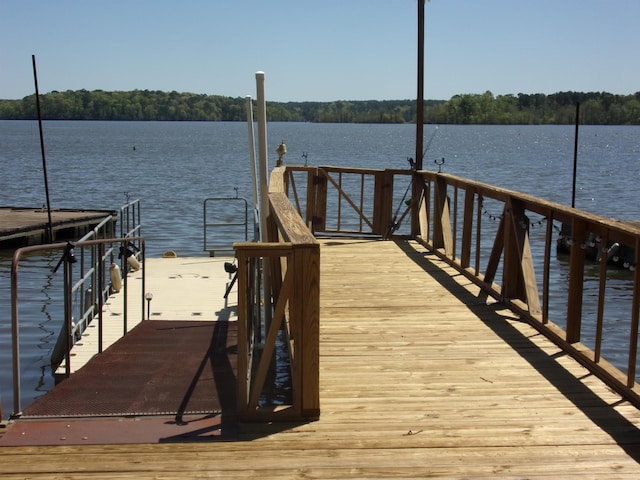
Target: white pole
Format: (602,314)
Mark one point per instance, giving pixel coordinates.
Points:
(252,152)
(264,199)
(262,149)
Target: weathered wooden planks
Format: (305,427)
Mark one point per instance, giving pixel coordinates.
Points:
(27,226)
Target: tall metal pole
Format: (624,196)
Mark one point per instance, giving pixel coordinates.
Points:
(575,156)
(420,96)
(44,162)
(416,191)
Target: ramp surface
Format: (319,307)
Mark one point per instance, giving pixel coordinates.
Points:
(159,368)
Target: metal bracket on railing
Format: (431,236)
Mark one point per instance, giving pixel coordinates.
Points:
(230,268)
(67,256)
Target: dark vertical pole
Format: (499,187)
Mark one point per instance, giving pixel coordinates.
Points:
(417,181)
(68,284)
(44,162)
(420,100)
(575,157)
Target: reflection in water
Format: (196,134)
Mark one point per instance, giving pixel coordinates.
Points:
(47,326)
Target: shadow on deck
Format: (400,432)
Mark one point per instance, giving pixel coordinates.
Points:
(593,406)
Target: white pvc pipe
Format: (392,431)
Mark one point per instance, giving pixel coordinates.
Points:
(264,199)
(252,152)
(262,151)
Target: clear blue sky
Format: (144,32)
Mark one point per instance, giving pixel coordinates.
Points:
(320,50)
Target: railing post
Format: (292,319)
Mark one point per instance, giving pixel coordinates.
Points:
(101,274)
(635,319)
(424,205)
(68,283)
(242,390)
(15,334)
(576,280)
(512,287)
(310,213)
(307,274)
(467,228)
(441,215)
(320,212)
(382,201)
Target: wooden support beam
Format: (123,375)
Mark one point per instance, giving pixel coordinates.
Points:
(522,247)
(270,342)
(307,301)
(320,213)
(496,253)
(440,200)
(382,202)
(423,209)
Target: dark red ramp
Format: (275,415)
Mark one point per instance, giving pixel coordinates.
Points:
(159,368)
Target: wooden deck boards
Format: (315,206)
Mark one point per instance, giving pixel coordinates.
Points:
(417,380)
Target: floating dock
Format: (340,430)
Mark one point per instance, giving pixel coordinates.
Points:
(417,379)
(23,226)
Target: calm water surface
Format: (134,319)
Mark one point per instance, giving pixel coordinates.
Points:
(173,167)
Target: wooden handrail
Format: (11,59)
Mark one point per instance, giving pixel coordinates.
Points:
(486,232)
(512,249)
(293,259)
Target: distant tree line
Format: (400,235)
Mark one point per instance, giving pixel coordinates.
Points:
(146,105)
(596,108)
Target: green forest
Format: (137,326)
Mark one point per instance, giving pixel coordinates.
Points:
(596,108)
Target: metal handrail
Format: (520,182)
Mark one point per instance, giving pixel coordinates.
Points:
(66,260)
(239,223)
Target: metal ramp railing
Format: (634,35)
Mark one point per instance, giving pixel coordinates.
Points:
(225,221)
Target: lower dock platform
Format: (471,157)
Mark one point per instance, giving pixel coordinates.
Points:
(21,226)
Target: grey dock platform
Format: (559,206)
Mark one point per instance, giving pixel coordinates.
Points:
(23,226)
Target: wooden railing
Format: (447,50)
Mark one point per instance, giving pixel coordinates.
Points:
(502,240)
(335,200)
(521,231)
(290,261)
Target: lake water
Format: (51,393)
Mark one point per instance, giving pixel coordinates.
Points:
(173,167)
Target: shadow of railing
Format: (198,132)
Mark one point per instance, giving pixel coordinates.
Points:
(601,413)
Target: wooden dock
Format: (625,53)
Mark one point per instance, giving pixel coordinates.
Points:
(28,226)
(417,379)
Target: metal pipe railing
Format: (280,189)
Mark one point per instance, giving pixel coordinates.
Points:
(67,249)
(235,219)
